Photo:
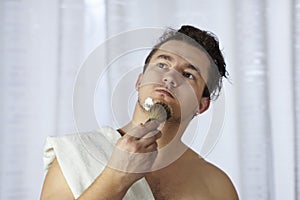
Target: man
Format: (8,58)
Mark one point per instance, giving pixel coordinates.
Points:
(148,160)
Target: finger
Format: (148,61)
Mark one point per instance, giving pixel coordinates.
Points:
(143,129)
(156,133)
(152,147)
(149,140)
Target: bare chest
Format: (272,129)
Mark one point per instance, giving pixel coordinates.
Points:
(178,188)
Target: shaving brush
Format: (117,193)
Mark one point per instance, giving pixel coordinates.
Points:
(157,111)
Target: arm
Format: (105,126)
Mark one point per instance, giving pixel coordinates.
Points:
(105,186)
(55,185)
(221,185)
(111,183)
(129,162)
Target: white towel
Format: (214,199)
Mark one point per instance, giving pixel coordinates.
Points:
(82,157)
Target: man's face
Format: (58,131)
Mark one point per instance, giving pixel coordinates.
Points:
(176,76)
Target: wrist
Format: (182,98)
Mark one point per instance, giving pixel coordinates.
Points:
(120,181)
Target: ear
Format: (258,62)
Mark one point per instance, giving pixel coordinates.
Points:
(138,81)
(204,104)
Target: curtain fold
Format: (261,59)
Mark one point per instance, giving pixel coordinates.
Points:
(253,111)
(296,82)
(70,54)
(28,51)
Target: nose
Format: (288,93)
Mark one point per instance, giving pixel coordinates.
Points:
(171,78)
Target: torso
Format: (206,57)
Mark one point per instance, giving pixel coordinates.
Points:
(188,178)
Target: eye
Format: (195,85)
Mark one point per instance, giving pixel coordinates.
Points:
(188,75)
(162,65)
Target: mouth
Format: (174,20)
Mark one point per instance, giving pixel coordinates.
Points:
(165,92)
(159,110)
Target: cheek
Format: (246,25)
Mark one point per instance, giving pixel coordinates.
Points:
(188,98)
(151,77)
(198,88)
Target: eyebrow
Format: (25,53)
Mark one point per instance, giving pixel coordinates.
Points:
(165,57)
(192,67)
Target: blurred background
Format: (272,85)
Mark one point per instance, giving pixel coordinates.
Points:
(43,43)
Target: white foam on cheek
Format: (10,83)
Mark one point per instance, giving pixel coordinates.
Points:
(148,103)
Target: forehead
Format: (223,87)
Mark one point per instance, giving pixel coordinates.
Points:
(191,54)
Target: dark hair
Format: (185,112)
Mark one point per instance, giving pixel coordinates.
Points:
(205,41)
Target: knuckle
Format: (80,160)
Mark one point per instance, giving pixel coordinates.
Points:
(155,145)
(125,142)
(136,147)
(158,134)
(128,138)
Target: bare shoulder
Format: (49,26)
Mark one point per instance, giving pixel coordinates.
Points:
(55,185)
(218,182)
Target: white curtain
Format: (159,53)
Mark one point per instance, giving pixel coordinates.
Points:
(29,45)
(44,43)
(296,91)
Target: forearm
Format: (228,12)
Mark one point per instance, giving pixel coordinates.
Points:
(133,154)
(111,184)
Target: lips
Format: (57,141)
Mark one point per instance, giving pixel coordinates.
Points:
(165,92)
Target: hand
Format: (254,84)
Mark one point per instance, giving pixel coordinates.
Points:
(136,151)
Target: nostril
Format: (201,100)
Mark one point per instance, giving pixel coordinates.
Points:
(169,82)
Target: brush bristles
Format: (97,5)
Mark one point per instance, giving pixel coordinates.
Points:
(160,112)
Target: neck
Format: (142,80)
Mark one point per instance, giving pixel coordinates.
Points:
(170,146)
(171,130)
